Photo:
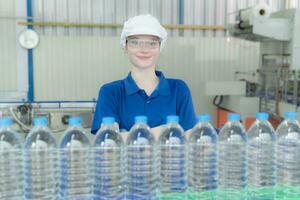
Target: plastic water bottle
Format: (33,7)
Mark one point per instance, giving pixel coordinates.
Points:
(203,159)
(232,160)
(173,166)
(141,167)
(40,162)
(288,157)
(261,159)
(11,181)
(75,163)
(108,149)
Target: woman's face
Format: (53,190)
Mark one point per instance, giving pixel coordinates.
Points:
(143,50)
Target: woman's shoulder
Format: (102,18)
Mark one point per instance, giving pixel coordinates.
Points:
(177,84)
(112,87)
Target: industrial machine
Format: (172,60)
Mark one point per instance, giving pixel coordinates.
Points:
(277,83)
(57,113)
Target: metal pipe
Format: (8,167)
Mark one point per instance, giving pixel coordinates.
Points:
(66,24)
(30,96)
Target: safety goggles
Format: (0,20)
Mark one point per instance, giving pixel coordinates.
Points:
(138,43)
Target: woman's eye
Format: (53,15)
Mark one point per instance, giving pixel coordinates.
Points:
(134,42)
(152,44)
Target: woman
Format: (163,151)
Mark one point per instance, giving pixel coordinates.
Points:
(144,91)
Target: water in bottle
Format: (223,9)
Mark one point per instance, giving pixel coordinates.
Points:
(40,162)
(288,157)
(11,176)
(141,166)
(203,160)
(261,159)
(173,166)
(108,156)
(232,160)
(75,163)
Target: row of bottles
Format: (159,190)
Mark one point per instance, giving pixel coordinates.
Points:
(234,164)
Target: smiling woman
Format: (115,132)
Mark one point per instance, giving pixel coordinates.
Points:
(144,91)
(143,51)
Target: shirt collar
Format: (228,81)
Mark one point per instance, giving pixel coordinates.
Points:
(162,88)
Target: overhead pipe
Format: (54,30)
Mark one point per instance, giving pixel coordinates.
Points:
(66,24)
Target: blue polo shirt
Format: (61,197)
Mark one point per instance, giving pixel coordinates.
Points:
(123,100)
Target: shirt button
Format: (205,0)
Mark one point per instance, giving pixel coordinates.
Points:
(148,102)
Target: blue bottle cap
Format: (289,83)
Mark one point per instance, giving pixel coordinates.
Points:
(233,116)
(73,121)
(262,116)
(141,119)
(290,115)
(40,121)
(108,120)
(204,118)
(6,121)
(172,118)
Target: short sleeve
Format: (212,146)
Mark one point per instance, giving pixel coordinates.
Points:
(106,106)
(185,108)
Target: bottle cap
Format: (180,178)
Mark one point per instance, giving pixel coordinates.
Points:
(262,115)
(233,116)
(75,121)
(204,118)
(141,119)
(108,120)
(40,121)
(172,118)
(6,121)
(290,115)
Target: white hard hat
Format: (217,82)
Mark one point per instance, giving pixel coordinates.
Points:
(143,25)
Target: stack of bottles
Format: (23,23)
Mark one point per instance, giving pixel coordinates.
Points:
(109,167)
(40,162)
(261,159)
(203,160)
(75,180)
(10,161)
(261,164)
(141,168)
(173,160)
(232,160)
(288,157)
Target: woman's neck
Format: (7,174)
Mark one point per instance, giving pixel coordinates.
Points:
(145,79)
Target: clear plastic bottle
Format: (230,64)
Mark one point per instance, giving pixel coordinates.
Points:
(261,159)
(203,159)
(40,162)
(108,156)
(232,160)
(288,157)
(11,167)
(75,163)
(141,167)
(173,162)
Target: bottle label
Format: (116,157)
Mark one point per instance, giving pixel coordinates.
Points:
(292,136)
(142,141)
(40,144)
(263,138)
(109,143)
(76,144)
(174,140)
(235,139)
(205,139)
(5,145)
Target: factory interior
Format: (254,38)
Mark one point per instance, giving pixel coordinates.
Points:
(232,56)
(57,71)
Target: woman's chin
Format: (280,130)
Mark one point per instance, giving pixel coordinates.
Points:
(145,66)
